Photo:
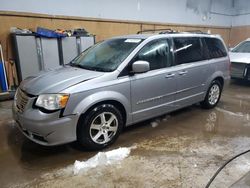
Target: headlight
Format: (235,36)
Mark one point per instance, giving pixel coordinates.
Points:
(52,101)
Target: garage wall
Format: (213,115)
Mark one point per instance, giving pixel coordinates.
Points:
(240,22)
(102,28)
(239,34)
(115,17)
(241,12)
(197,12)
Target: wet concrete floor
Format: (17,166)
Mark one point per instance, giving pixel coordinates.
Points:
(181,149)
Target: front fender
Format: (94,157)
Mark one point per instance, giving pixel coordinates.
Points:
(101,96)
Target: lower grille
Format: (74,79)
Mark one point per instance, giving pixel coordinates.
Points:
(39,138)
(31,134)
(21,100)
(238,70)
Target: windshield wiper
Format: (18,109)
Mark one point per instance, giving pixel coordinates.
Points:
(99,69)
(75,65)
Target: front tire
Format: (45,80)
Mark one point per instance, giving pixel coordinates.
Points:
(100,127)
(213,95)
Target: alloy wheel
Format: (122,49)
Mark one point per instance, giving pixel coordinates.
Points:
(103,127)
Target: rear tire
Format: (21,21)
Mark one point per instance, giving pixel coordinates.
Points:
(213,95)
(100,127)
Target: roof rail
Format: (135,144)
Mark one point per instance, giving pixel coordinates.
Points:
(168,30)
(195,31)
(163,31)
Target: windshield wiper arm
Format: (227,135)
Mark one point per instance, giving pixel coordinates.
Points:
(75,65)
(103,69)
(90,68)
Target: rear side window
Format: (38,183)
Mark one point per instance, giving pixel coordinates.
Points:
(215,47)
(157,53)
(188,49)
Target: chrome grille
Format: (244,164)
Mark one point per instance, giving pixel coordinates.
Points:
(21,100)
(238,70)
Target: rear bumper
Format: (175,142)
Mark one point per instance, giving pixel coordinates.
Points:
(46,129)
(227,81)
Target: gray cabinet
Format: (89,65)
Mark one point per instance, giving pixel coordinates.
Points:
(27,56)
(84,43)
(50,53)
(34,54)
(69,49)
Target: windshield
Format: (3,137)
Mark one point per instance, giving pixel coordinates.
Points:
(243,47)
(107,55)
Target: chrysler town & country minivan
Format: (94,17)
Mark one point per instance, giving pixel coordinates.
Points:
(119,82)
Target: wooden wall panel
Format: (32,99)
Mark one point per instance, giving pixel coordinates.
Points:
(147,27)
(106,30)
(103,29)
(180,28)
(239,34)
(225,34)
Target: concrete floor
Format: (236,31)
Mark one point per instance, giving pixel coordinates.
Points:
(181,149)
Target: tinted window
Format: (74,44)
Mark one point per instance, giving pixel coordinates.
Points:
(215,47)
(244,47)
(156,53)
(187,49)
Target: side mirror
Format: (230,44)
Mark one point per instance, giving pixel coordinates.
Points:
(140,67)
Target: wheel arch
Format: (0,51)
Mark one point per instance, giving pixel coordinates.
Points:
(218,75)
(82,129)
(108,97)
(115,103)
(220,79)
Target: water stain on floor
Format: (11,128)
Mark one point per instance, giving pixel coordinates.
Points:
(181,149)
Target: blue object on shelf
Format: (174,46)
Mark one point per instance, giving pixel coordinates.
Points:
(3,81)
(43,32)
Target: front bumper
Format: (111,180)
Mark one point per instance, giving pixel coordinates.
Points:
(240,71)
(46,129)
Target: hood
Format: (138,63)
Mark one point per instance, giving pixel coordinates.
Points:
(239,57)
(56,80)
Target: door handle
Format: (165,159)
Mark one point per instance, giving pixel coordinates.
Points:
(170,75)
(182,72)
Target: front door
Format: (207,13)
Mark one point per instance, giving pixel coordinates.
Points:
(152,93)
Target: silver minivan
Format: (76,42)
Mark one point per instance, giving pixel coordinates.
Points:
(119,82)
